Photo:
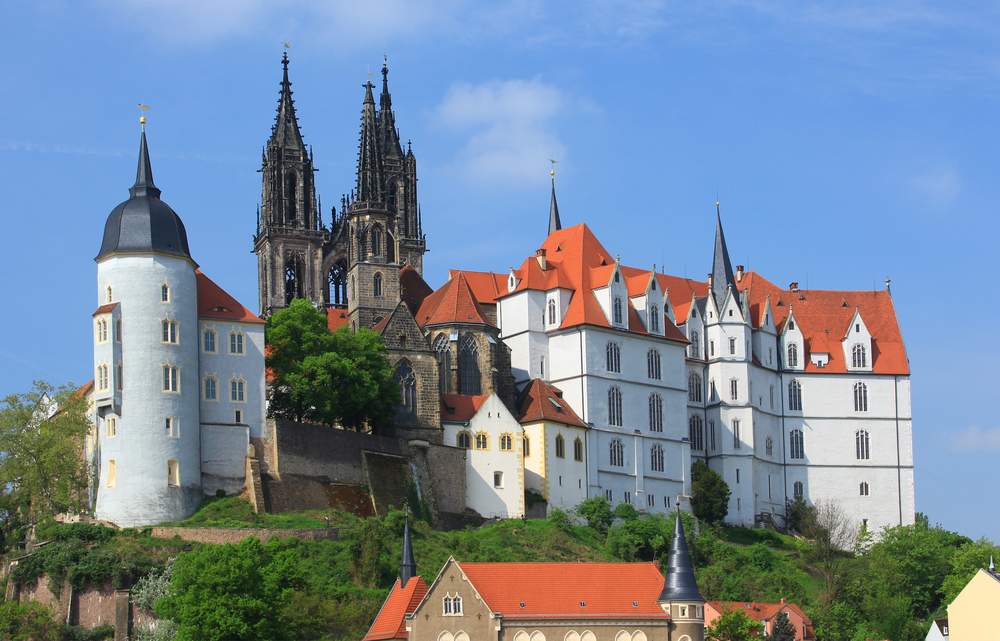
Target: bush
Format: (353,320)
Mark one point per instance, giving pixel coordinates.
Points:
(27,622)
(709,494)
(597,512)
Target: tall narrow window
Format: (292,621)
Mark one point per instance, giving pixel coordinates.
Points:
(769,446)
(654,319)
(614,406)
(108,295)
(617,453)
(694,387)
(577,449)
(653,364)
(793,355)
(794,395)
(797,490)
(695,434)
(211,389)
(656,458)
(863,488)
(860,397)
(797,446)
(737,440)
(732,346)
(506,443)
(102,377)
(469,380)
(711,436)
(859,356)
(711,348)
(442,347)
(560,446)
(526,446)
(618,311)
(236,343)
(118,330)
(169,331)
(734,389)
(112,474)
(655,413)
(482,441)
(173,473)
(119,377)
(614,357)
(552,312)
(164,293)
(377,285)
(112,426)
(862,445)
(464,440)
(170,426)
(237,390)
(209,340)
(695,344)
(170,379)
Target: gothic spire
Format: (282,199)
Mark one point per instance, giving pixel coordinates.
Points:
(389,136)
(408,566)
(144,172)
(722,269)
(369,179)
(554,223)
(286,123)
(680,584)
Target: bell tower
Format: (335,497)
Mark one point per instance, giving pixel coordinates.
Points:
(290,235)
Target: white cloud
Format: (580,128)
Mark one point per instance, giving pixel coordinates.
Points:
(511,128)
(941,185)
(977,439)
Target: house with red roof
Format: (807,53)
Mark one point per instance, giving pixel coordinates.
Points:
(765,614)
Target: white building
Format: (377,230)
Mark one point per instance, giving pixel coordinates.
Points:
(178,369)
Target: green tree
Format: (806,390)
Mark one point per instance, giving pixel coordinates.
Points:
(43,470)
(709,494)
(799,515)
(642,538)
(328,377)
(782,629)
(597,512)
(733,625)
(965,562)
(27,622)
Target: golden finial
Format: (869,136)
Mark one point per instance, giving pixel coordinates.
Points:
(142,115)
(552,169)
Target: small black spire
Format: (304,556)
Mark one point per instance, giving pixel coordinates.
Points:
(680,584)
(385,100)
(369,178)
(554,223)
(408,566)
(144,173)
(722,269)
(286,123)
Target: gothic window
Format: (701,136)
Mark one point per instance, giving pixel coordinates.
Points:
(211,389)
(407,382)
(171,377)
(617,453)
(377,285)
(560,446)
(376,241)
(656,458)
(711,436)
(862,445)
(451,606)
(526,445)
(769,446)
(237,390)
(734,389)
(236,343)
(695,344)
(797,448)
(169,332)
(443,350)
(112,426)
(732,346)
(506,443)
(464,440)
(793,355)
(860,397)
(863,488)
(293,279)
(653,364)
(654,318)
(164,293)
(614,357)
(208,343)
(695,433)
(694,387)
(614,406)
(338,285)
(482,441)
(108,295)
(291,198)
(102,377)
(552,312)
(577,449)
(797,489)
(618,311)
(655,413)
(112,473)
(118,330)
(859,356)
(102,331)
(390,248)
(737,441)
(794,395)
(468,366)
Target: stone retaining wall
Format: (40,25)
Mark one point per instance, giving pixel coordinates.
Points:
(235,535)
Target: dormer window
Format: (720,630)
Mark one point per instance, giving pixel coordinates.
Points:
(617,311)
(652,285)
(859,356)
(654,318)
(618,277)
(791,324)
(552,312)
(793,355)
(857,328)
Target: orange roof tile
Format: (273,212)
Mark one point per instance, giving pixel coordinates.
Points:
(83,390)
(759,610)
(390,622)
(542,401)
(336,317)
(452,303)
(569,590)
(105,309)
(214,302)
(486,286)
(460,407)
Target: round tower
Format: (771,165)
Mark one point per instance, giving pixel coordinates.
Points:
(147,448)
(680,597)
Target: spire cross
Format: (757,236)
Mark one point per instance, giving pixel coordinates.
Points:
(143,108)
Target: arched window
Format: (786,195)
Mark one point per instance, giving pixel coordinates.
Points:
(617,453)
(376,240)
(577,449)
(793,355)
(617,311)
(293,279)
(291,199)
(654,318)
(482,441)
(469,380)
(695,344)
(696,433)
(860,397)
(237,390)
(794,395)
(859,356)
(656,458)
(614,406)
(211,389)
(862,445)
(464,440)
(442,348)
(734,389)
(694,387)
(390,247)
(526,445)
(653,364)
(552,312)
(797,490)
(797,447)
(560,446)
(614,357)
(337,294)
(451,605)
(377,285)
(506,443)
(164,293)
(655,413)
(769,446)
(863,488)
(407,382)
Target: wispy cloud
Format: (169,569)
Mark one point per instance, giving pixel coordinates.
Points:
(977,439)
(510,128)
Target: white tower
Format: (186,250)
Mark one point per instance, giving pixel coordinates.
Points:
(147,449)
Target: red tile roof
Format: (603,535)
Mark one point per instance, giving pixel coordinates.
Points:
(454,302)
(83,390)
(460,407)
(487,287)
(544,402)
(390,623)
(336,317)
(105,309)
(569,590)
(758,610)
(215,303)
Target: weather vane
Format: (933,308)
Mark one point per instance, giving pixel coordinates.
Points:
(143,108)
(552,170)
(286,45)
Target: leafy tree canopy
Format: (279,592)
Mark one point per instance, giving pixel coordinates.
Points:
(781,629)
(709,494)
(734,625)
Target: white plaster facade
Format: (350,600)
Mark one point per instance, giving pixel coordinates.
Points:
(552,468)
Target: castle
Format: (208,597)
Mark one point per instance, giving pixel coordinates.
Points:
(571,376)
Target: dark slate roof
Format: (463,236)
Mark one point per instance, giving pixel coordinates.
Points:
(408,567)
(680,584)
(722,269)
(555,224)
(144,223)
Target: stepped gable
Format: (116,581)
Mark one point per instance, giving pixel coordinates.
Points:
(390,623)
(461,407)
(556,590)
(454,302)
(541,401)
(215,303)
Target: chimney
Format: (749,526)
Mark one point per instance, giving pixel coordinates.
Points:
(710,281)
(794,286)
(782,600)
(739,273)
(540,257)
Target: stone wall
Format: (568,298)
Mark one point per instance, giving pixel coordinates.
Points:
(235,535)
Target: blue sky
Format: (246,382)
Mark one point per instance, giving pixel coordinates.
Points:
(847,142)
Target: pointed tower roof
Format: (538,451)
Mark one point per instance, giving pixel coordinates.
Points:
(285,131)
(680,584)
(408,566)
(144,223)
(722,269)
(554,223)
(388,136)
(369,179)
